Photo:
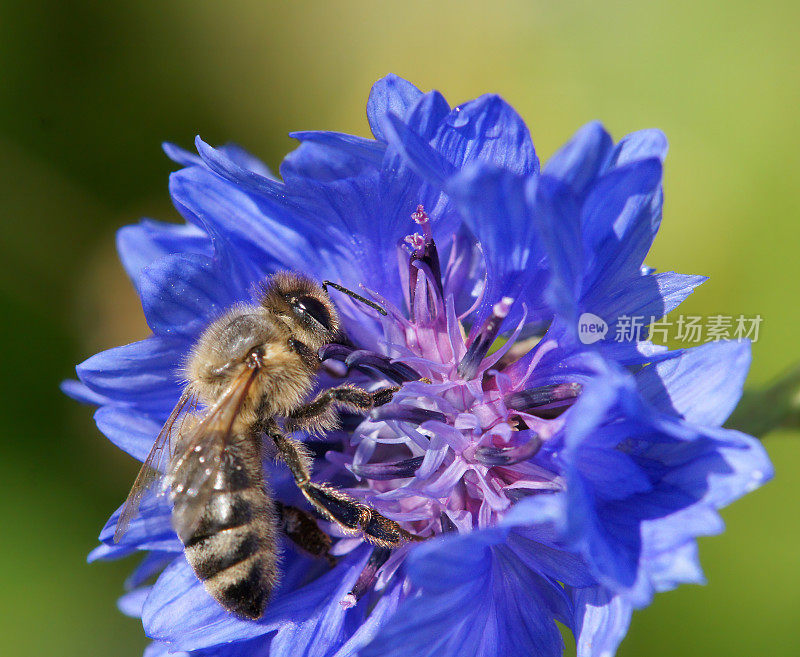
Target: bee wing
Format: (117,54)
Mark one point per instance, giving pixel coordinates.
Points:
(157,460)
(198,463)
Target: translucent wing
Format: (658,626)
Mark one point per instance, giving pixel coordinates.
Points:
(201,454)
(157,461)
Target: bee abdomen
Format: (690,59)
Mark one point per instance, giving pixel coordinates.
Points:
(234,550)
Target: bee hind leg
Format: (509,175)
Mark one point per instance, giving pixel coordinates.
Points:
(302,529)
(354,517)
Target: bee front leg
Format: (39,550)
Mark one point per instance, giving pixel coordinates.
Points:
(320,414)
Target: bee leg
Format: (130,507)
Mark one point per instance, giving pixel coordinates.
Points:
(355,517)
(301,527)
(337,506)
(320,414)
(305,352)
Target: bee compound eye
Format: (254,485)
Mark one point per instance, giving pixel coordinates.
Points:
(306,306)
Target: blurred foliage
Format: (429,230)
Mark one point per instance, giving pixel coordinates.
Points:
(772,407)
(88,90)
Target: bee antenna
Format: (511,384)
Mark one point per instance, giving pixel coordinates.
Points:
(357,297)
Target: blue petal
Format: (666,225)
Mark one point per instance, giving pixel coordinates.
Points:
(246,240)
(477,598)
(149,529)
(132,602)
(140,245)
(427,115)
(639,145)
(181,613)
(153,563)
(644,298)
(537,524)
(620,218)
(333,148)
(402,188)
(80,392)
(514,253)
(555,215)
(182,294)
(580,160)
(383,610)
(389,95)
(143,374)
(245,159)
(602,620)
(702,384)
(641,299)
(221,164)
(488,130)
(180,155)
(324,628)
(640,538)
(732,465)
(423,158)
(128,429)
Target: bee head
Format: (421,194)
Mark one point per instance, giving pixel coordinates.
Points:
(303,306)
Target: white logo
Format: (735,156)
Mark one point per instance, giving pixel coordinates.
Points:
(591,328)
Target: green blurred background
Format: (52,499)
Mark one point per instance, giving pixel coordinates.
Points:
(88,90)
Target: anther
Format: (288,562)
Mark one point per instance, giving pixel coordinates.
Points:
(386,471)
(509,455)
(483,341)
(545,401)
(397,372)
(366,579)
(423,251)
(410,414)
(448,526)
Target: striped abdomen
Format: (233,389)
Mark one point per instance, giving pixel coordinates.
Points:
(234,549)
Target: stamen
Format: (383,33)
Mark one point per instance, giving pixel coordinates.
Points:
(385,471)
(335,351)
(448,526)
(423,252)
(397,372)
(367,577)
(514,495)
(476,352)
(335,368)
(545,401)
(411,414)
(421,217)
(508,455)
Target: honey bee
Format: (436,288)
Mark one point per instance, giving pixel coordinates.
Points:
(251,371)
